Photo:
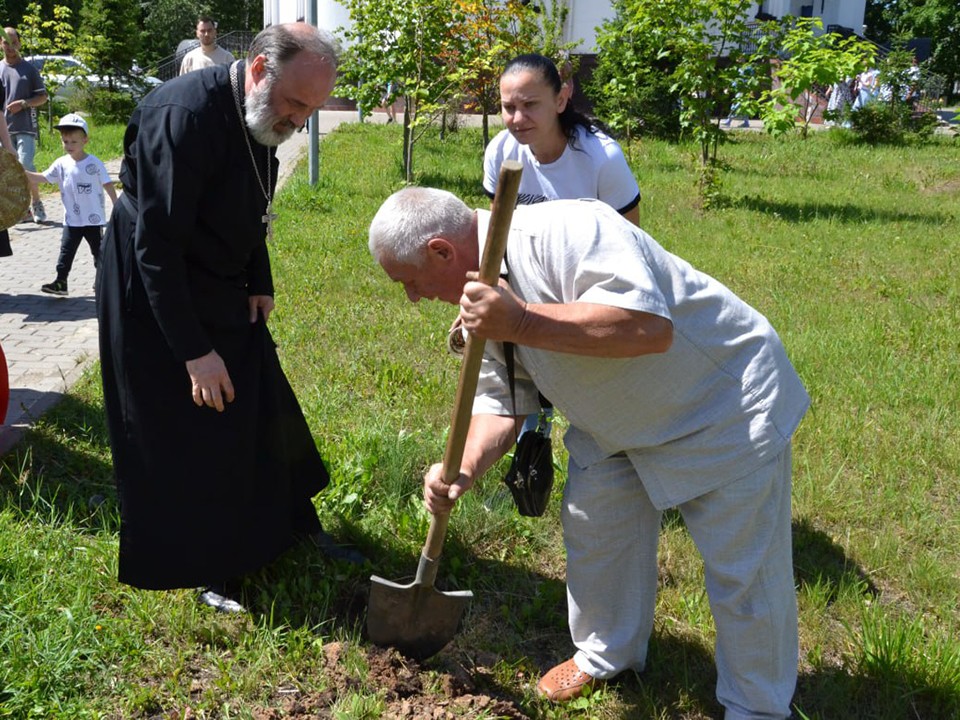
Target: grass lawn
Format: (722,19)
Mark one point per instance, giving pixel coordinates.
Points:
(852,252)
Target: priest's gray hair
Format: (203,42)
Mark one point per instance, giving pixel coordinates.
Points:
(280,43)
(411,217)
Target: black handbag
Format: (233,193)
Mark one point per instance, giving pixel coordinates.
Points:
(530,477)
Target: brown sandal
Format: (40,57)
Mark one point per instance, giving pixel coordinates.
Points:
(565,682)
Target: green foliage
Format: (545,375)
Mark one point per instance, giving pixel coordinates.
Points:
(42,34)
(233,15)
(493,33)
(804,63)
(165,23)
(408,43)
(898,76)
(631,87)
(105,105)
(109,36)
(438,54)
(892,124)
(46,34)
(692,35)
(13,12)
(914,669)
(889,20)
(890,118)
(539,27)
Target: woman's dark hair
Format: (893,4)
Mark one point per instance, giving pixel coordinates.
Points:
(570,118)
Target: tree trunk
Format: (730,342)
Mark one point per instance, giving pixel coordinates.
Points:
(409,113)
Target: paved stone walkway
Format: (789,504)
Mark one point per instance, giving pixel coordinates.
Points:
(49,341)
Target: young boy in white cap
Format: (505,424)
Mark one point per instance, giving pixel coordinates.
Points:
(82,179)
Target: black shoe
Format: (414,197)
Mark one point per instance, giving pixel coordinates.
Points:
(325,543)
(57,287)
(220,598)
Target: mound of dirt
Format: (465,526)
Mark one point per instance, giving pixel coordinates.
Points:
(401,682)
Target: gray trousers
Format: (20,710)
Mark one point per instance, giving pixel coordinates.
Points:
(742,531)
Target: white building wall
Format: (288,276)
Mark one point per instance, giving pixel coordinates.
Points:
(582,21)
(331,15)
(282,11)
(847,13)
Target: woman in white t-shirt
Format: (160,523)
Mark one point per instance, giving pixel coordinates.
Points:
(564,155)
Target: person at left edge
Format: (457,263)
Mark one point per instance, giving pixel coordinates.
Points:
(6,144)
(214,462)
(23,92)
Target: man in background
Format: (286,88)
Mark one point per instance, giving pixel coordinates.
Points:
(23,91)
(209,53)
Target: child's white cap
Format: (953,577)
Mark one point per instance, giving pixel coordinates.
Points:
(72,120)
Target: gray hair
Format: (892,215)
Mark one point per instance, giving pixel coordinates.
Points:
(279,44)
(411,217)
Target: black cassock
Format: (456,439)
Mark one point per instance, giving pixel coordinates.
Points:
(204,496)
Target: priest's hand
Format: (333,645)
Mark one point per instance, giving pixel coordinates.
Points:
(258,304)
(210,381)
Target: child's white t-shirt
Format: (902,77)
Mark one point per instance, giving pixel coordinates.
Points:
(81,189)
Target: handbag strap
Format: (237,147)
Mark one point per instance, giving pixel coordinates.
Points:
(508,357)
(511,378)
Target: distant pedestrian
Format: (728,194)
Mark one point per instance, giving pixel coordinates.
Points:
(866,88)
(741,90)
(839,98)
(23,91)
(82,179)
(388,100)
(209,53)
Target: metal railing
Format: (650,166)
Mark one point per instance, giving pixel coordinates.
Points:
(237,42)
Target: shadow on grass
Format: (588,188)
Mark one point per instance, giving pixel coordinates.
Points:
(818,560)
(801,212)
(58,469)
(839,692)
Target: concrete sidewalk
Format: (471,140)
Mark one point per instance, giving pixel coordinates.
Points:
(49,341)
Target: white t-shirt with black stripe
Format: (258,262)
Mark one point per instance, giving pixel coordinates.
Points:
(593,167)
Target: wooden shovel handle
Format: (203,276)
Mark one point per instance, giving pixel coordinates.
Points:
(504,201)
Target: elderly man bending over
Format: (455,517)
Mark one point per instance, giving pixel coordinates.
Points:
(678,394)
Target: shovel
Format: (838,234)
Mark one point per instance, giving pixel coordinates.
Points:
(417,619)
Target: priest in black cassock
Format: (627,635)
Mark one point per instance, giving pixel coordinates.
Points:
(214,462)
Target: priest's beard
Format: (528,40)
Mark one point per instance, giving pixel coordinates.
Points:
(261,118)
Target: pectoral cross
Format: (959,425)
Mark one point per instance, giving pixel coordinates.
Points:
(267,219)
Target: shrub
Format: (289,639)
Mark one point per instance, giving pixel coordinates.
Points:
(105,105)
(882,123)
(632,85)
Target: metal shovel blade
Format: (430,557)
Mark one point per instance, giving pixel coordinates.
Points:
(417,620)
